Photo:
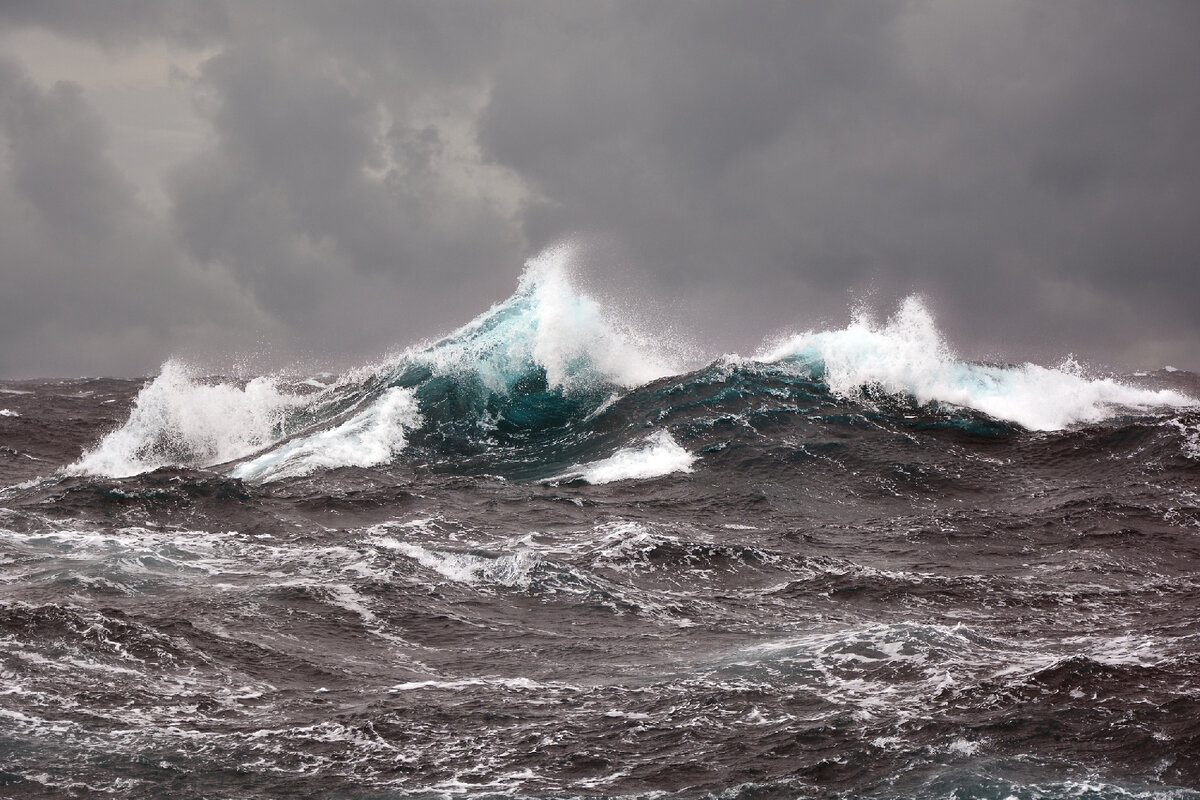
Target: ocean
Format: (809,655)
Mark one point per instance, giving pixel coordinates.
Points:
(538,558)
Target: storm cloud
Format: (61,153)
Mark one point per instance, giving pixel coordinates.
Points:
(352,177)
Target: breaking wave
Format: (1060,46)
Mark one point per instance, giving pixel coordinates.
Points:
(181,419)
(549,385)
(545,356)
(907,355)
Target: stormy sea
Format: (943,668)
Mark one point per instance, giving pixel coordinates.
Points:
(538,558)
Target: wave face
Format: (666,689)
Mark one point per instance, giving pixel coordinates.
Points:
(540,558)
(537,386)
(538,362)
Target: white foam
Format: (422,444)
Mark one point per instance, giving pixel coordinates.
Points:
(452,686)
(659,455)
(516,684)
(369,438)
(179,420)
(963,747)
(908,355)
(344,596)
(1191,438)
(4,412)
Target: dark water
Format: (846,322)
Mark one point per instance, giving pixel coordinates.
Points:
(846,596)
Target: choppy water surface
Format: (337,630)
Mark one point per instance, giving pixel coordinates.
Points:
(533,560)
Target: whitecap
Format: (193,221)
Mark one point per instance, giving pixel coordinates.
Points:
(908,355)
(178,419)
(514,570)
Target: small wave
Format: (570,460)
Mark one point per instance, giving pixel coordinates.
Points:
(1018,781)
(908,355)
(5,412)
(511,684)
(1189,432)
(659,455)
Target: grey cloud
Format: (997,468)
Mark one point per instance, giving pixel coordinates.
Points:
(91,283)
(977,153)
(120,23)
(322,193)
(377,171)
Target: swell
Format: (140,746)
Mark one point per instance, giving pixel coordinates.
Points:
(548,385)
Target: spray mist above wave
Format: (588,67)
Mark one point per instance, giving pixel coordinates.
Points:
(908,356)
(547,339)
(547,326)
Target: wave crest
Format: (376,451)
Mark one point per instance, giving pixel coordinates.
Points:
(546,379)
(907,355)
(546,326)
(179,419)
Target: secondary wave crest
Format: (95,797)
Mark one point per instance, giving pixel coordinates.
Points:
(907,355)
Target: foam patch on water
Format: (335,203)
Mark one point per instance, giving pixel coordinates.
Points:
(514,570)
(1190,434)
(659,455)
(908,355)
(179,420)
(370,438)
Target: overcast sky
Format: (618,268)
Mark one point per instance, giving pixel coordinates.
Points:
(273,183)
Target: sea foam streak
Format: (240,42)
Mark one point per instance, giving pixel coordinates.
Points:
(908,356)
